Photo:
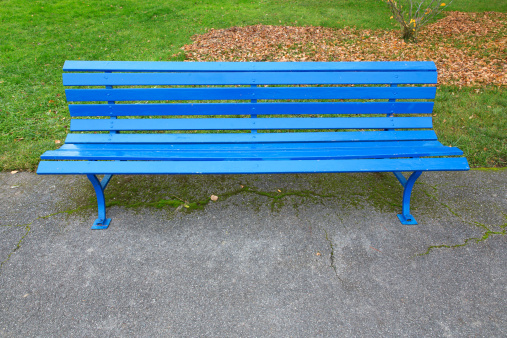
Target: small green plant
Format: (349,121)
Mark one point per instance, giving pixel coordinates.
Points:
(414,14)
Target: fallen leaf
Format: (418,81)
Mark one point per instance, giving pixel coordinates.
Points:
(58,141)
(468,48)
(14,171)
(279,190)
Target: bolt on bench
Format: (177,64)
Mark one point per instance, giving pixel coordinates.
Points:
(292,117)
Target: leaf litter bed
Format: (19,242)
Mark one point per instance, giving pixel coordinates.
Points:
(469,49)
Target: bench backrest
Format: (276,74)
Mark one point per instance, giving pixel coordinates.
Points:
(249,97)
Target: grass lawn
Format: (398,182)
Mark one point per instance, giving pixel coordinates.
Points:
(38,36)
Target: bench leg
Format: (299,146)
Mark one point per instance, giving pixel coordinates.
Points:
(405,217)
(101,222)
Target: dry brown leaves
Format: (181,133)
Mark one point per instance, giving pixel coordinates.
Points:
(468,48)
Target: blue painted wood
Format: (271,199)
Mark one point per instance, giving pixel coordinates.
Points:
(221,147)
(251,154)
(279,108)
(307,137)
(247,78)
(248,124)
(245,93)
(164,66)
(250,167)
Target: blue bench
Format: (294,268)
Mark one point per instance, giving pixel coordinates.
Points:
(281,117)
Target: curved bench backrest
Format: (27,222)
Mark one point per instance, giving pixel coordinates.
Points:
(155,97)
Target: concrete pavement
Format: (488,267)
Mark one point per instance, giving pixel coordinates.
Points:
(276,255)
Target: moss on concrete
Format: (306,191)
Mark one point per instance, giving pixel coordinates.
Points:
(489,169)
(346,192)
(484,237)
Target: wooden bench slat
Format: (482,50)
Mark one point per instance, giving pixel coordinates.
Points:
(286,108)
(250,167)
(307,137)
(247,78)
(250,146)
(168,66)
(249,123)
(249,93)
(250,154)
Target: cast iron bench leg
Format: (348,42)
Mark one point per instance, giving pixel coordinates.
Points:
(405,217)
(101,222)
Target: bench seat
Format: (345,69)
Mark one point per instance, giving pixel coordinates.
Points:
(250,118)
(250,152)
(253,167)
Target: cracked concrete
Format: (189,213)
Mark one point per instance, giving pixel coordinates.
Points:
(284,255)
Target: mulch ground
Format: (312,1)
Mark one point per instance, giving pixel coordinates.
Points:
(468,48)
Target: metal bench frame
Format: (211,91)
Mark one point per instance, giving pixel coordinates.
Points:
(364,134)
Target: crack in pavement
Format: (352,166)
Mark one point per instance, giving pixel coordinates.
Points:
(331,255)
(487,231)
(18,245)
(484,237)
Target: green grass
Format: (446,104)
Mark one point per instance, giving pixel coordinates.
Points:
(474,120)
(38,36)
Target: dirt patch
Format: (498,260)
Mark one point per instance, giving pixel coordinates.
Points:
(468,48)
